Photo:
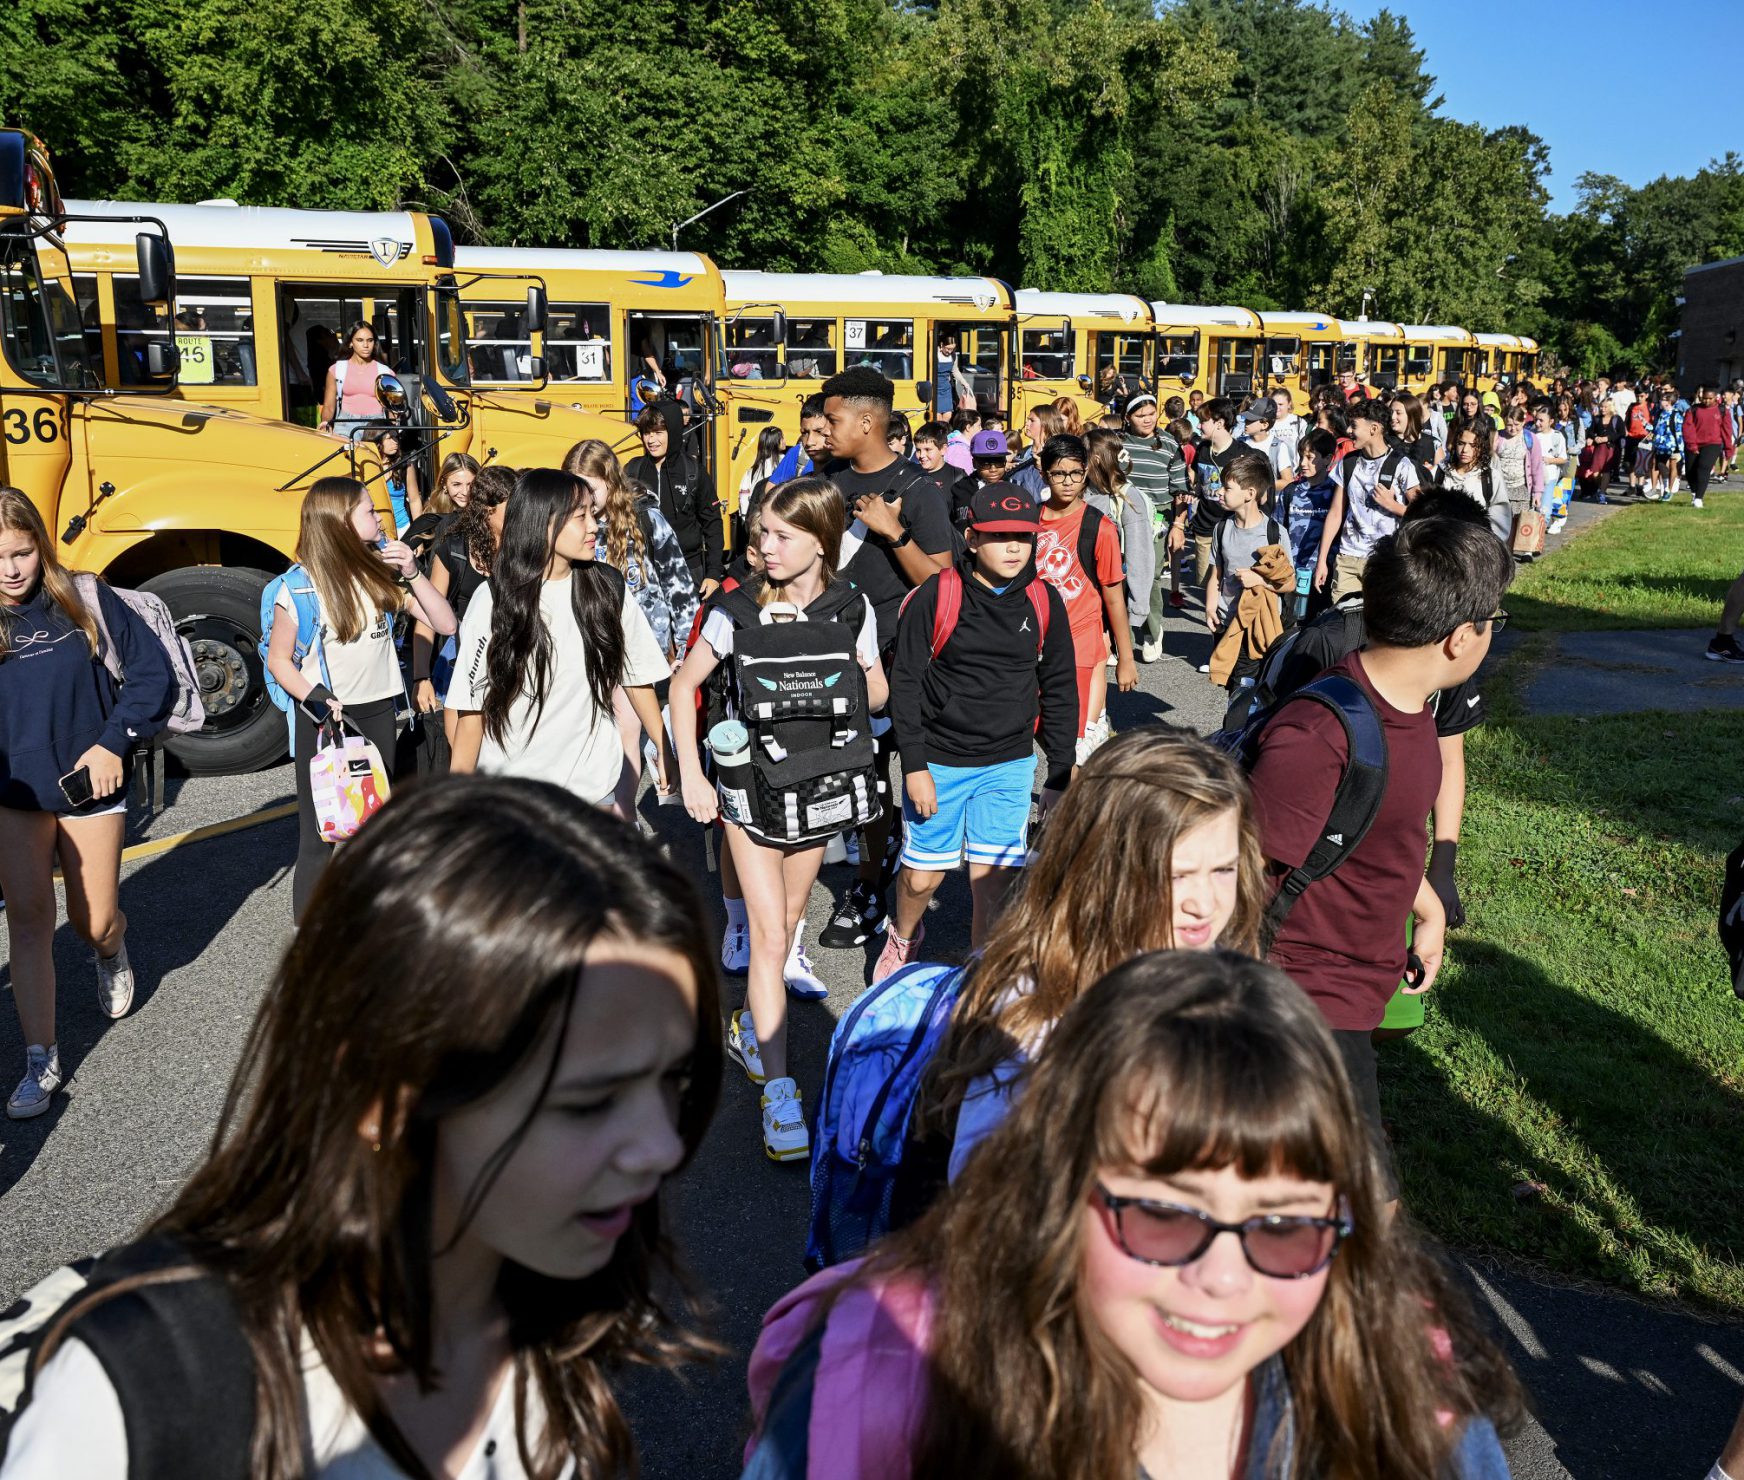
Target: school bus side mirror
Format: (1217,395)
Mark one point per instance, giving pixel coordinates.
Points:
(537,310)
(157,269)
(923,389)
(778,327)
(161,360)
(11,172)
(392,394)
(1083,382)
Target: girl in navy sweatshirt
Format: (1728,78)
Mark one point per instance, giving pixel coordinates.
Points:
(63,718)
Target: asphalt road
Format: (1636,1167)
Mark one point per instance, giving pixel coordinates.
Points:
(1615,1381)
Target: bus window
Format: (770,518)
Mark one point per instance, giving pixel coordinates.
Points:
(41,332)
(887,345)
(1419,361)
(451,333)
(1347,354)
(811,348)
(1235,366)
(213,331)
(1177,356)
(1047,354)
(1384,365)
(1320,364)
(1453,364)
(752,353)
(1283,357)
(90,315)
(578,342)
(497,344)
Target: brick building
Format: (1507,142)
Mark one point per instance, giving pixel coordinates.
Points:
(1710,346)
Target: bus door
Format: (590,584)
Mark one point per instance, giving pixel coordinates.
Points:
(1453,365)
(1385,364)
(1045,351)
(1177,360)
(1283,362)
(979,351)
(1235,364)
(1419,367)
(1320,359)
(672,350)
(1118,354)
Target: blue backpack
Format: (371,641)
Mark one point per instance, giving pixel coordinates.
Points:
(306,604)
(879,1054)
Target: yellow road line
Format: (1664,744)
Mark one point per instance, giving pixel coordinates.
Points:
(210,830)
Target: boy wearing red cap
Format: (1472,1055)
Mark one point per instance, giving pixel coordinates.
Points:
(966,718)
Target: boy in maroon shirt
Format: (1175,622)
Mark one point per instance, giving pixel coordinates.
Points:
(1432,597)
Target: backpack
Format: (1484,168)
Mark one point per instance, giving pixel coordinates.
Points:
(187,714)
(801,694)
(950,607)
(298,584)
(1361,785)
(1089,531)
(879,1054)
(1276,534)
(1388,474)
(169,1340)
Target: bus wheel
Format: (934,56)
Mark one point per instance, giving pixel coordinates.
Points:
(217,609)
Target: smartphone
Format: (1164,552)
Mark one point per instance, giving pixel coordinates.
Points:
(76,786)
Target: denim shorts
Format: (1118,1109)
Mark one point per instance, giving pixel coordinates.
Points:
(983,816)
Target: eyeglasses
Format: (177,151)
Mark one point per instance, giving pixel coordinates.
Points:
(1277,1246)
(1497,621)
(1065,475)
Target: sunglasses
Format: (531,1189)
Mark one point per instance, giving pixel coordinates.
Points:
(1277,1246)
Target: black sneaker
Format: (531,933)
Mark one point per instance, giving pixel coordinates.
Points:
(858,918)
(1724,649)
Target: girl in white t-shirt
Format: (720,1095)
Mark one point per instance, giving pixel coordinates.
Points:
(362,581)
(800,541)
(429,1226)
(544,645)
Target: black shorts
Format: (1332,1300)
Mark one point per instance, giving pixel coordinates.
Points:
(1357,1048)
(1663,460)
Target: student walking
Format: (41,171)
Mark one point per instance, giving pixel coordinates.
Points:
(1251,569)
(343,667)
(1218,446)
(1303,508)
(1707,440)
(429,1228)
(1157,471)
(965,708)
(545,644)
(683,489)
(1172,1259)
(1078,554)
(1469,470)
(350,401)
(1431,604)
(1109,491)
(67,731)
(1374,482)
(1554,452)
(802,525)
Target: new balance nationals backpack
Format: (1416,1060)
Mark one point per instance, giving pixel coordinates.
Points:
(801,695)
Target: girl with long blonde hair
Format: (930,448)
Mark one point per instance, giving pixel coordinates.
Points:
(350,667)
(1174,1259)
(802,523)
(67,729)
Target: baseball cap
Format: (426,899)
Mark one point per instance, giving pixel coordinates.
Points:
(1263,410)
(1002,508)
(988,444)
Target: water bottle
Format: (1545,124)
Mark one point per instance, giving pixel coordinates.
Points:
(730,744)
(1304,585)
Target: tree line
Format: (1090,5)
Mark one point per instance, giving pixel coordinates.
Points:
(1273,153)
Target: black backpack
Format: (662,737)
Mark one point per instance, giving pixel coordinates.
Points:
(801,693)
(1361,785)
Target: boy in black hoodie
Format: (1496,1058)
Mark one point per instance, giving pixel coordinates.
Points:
(965,716)
(685,490)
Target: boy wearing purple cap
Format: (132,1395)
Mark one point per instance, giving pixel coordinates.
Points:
(965,716)
(991,456)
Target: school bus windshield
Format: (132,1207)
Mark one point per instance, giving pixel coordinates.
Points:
(39,321)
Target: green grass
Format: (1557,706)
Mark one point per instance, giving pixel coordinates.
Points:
(1584,1035)
(1653,565)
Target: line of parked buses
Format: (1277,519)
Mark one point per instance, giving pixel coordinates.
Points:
(163,368)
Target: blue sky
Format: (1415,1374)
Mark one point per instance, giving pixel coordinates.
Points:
(1607,84)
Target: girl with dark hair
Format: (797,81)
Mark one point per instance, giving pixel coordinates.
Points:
(428,1226)
(405,491)
(800,541)
(544,645)
(1173,1259)
(361,581)
(1468,469)
(1108,488)
(463,555)
(350,401)
(1408,434)
(67,729)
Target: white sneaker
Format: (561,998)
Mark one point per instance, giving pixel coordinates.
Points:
(1695,503)
(42,1077)
(736,950)
(742,1045)
(1152,651)
(1204,667)
(784,1134)
(1555,526)
(802,981)
(114,983)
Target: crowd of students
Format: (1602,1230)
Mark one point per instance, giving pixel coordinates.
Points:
(1148,1219)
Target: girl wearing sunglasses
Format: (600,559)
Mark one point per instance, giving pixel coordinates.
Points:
(1171,1260)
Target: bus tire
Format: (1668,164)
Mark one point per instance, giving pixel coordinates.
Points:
(217,608)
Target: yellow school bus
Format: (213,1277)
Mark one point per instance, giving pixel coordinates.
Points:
(1501,360)
(1528,358)
(1375,349)
(1214,349)
(939,339)
(267,295)
(620,328)
(1300,353)
(1450,351)
(1080,345)
(150,485)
